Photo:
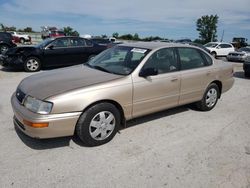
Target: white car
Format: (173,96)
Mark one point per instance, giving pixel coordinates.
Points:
(22,38)
(219,49)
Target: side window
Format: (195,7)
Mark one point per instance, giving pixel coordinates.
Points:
(164,60)
(190,58)
(88,42)
(225,46)
(76,42)
(208,59)
(60,43)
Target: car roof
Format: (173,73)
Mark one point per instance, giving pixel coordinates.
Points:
(218,43)
(153,45)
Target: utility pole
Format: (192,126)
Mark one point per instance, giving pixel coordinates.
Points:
(222,36)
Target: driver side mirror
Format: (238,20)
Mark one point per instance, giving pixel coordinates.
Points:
(51,47)
(148,72)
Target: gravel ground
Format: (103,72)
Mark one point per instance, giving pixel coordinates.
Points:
(176,148)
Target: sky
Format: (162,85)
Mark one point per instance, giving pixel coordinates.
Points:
(172,19)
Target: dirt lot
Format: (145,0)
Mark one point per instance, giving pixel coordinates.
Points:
(180,147)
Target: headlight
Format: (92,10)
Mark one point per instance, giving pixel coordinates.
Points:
(38,106)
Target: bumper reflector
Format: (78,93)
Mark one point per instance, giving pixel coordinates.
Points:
(35,125)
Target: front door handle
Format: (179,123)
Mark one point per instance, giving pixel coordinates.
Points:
(174,79)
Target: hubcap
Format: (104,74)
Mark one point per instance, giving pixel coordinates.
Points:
(102,125)
(211,97)
(32,64)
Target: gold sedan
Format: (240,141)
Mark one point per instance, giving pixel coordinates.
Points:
(127,81)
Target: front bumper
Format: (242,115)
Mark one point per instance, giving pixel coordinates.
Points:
(59,124)
(236,58)
(11,61)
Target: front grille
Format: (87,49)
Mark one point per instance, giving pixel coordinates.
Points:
(20,95)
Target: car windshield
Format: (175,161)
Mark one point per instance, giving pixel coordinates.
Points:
(211,45)
(244,50)
(119,60)
(44,43)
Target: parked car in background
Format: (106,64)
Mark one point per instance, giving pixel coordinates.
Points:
(62,51)
(6,42)
(103,41)
(219,49)
(183,41)
(239,55)
(51,32)
(124,82)
(108,42)
(196,44)
(20,38)
(246,66)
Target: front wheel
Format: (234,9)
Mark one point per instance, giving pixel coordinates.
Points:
(214,54)
(98,124)
(209,99)
(32,64)
(247,74)
(3,48)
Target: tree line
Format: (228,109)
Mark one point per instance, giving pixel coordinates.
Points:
(206,26)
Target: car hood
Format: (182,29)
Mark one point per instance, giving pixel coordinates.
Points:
(20,49)
(51,83)
(238,52)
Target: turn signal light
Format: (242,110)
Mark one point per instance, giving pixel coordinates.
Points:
(35,125)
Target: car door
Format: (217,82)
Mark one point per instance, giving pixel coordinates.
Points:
(157,92)
(224,49)
(57,53)
(196,73)
(77,50)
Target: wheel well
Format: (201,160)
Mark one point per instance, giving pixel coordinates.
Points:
(219,84)
(116,104)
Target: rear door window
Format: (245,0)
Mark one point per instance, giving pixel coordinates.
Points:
(190,58)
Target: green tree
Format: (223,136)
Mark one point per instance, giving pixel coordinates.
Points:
(28,29)
(70,32)
(136,37)
(207,27)
(116,35)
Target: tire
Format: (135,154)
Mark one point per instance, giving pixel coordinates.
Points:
(247,74)
(22,41)
(98,124)
(214,54)
(209,98)
(3,48)
(32,64)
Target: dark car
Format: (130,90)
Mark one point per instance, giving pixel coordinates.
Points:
(5,42)
(246,67)
(62,51)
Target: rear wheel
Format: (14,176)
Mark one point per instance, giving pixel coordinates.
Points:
(32,64)
(209,99)
(22,41)
(98,124)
